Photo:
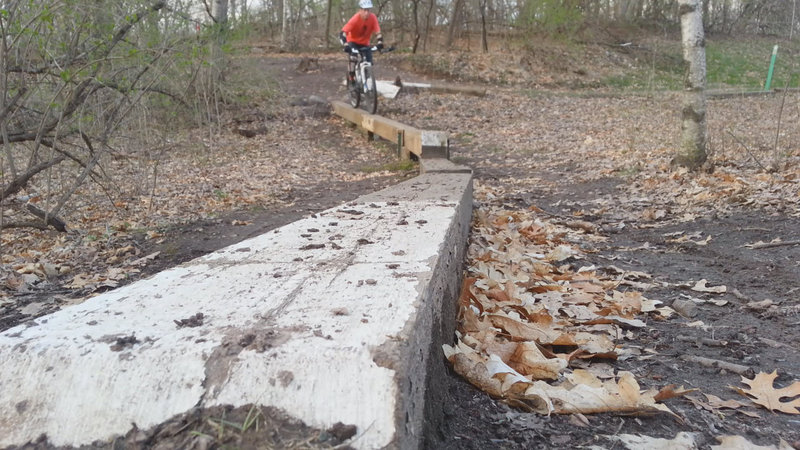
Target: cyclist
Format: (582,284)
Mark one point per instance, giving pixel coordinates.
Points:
(357,33)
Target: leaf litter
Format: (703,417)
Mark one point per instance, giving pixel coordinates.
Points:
(537,327)
(530,312)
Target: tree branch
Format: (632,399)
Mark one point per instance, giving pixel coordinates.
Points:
(21,181)
(86,171)
(82,90)
(53,221)
(12,103)
(38,225)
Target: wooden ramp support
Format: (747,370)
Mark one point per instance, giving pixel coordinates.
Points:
(427,143)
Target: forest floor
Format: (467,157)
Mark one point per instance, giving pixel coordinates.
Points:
(715,252)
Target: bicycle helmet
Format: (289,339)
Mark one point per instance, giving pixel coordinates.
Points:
(365,4)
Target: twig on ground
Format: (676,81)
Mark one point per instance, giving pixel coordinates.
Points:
(708,362)
(703,341)
(772,244)
(736,293)
(584,225)
(774,343)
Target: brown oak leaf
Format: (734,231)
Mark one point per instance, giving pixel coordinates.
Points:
(763,393)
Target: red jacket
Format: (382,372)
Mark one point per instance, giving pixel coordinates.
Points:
(361,31)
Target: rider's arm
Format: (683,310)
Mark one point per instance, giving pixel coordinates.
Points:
(348,27)
(377,31)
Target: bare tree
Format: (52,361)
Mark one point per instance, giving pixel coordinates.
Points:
(692,153)
(484,33)
(69,80)
(455,22)
(328,13)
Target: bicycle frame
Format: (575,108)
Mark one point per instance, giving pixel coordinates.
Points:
(360,64)
(362,75)
(364,82)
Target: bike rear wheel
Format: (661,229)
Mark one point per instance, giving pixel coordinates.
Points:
(370,91)
(353,91)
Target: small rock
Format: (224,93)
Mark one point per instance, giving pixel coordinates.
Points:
(317,100)
(686,308)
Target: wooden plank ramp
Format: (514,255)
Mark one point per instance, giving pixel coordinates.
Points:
(410,140)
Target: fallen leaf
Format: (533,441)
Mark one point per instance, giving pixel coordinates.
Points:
(476,373)
(634,323)
(701,286)
(682,441)
(651,214)
(529,360)
(717,402)
(579,420)
(523,331)
(670,391)
(763,393)
(586,394)
(561,253)
(145,259)
(733,442)
(759,306)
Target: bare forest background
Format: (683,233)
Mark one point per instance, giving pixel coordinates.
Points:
(93,88)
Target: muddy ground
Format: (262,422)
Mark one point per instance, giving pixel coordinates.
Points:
(541,149)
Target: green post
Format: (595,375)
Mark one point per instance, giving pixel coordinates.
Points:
(771,68)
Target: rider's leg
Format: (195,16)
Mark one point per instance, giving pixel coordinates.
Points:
(352,68)
(368,54)
(351,72)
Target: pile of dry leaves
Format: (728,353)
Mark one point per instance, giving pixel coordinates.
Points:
(541,330)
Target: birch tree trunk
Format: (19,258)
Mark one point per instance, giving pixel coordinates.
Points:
(219,9)
(284,24)
(692,153)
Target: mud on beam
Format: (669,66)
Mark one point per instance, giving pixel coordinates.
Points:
(422,143)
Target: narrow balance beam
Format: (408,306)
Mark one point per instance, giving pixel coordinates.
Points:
(335,318)
(427,143)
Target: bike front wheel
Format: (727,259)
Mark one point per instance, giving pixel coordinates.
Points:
(353,91)
(370,91)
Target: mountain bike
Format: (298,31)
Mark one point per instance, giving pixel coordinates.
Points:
(362,90)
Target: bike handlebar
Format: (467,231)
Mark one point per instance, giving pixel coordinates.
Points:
(374,48)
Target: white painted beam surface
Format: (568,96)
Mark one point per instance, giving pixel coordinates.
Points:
(322,318)
(387,89)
